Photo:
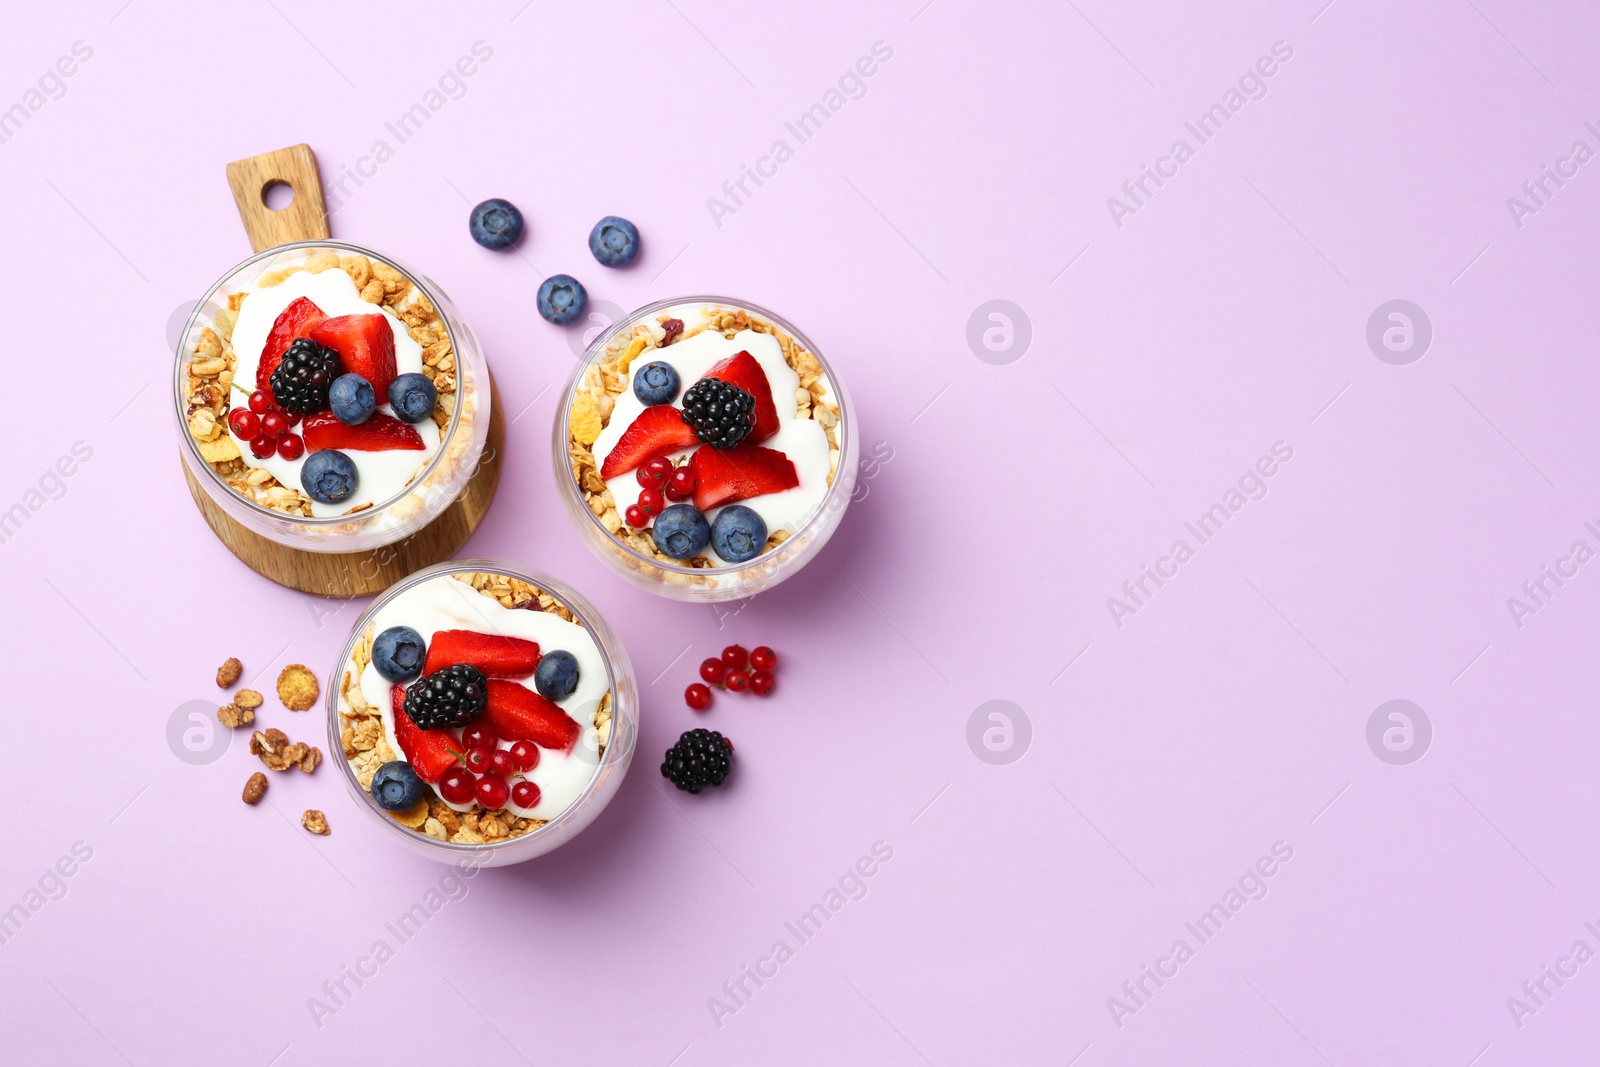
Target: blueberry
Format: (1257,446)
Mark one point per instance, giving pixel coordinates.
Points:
(738,534)
(495,224)
(614,241)
(562,299)
(557,674)
(398,653)
(352,399)
(681,532)
(328,476)
(656,383)
(396,786)
(412,396)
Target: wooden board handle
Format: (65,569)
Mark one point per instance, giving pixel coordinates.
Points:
(305,219)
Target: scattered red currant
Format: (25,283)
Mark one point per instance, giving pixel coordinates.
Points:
(713,670)
(682,484)
(653,475)
(273,424)
(736,657)
(492,792)
(502,763)
(738,681)
(525,794)
(697,697)
(650,502)
(477,760)
(763,658)
(245,424)
(260,402)
(479,735)
(526,755)
(458,785)
(263,446)
(636,517)
(290,446)
(761,682)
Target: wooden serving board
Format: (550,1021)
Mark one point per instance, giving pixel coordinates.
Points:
(349,574)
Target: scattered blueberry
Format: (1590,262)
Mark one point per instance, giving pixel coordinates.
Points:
(398,653)
(738,534)
(328,476)
(495,224)
(656,383)
(396,786)
(680,531)
(614,241)
(412,396)
(352,399)
(557,674)
(562,299)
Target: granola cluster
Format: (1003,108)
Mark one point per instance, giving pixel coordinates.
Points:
(367,747)
(208,381)
(607,377)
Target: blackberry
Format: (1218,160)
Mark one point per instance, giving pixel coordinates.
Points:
(453,696)
(300,381)
(700,758)
(722,414)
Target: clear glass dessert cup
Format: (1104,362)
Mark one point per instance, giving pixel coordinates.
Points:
(610,764)
(411,507)
(681,581)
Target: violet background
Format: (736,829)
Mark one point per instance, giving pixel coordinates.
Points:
(1167,355)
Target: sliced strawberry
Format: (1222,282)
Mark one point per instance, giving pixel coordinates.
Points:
(657,431)
(725,476)
(517,713)
(380,433)
(430,752)
(742,370)
(293,323)
(495,656)
(365,344)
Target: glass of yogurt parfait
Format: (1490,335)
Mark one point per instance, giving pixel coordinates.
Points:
(485,712)
(705,449)
(325,347)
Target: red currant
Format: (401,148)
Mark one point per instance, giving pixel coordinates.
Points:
(682,484)
(492,792)
(525,795)
(525,754)
(273,424)
(697,697)
(293,417)
(738,681)
(712,670)
(502,764)
(458,785)
(653,475)
(650,502)
(263,446)
(736,657)
(636,517)
(761,682)
(480,735)
(478,759)
(290,446)
(245,424)
(763,658)
(260,402)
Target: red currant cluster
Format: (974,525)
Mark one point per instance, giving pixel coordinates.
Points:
(736,670)
(267,428)
(491,775)
(660,481)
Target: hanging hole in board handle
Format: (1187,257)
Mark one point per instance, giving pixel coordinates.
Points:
(277,195)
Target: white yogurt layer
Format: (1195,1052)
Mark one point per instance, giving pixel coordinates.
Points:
(379,475)
(443,603)
(804,441)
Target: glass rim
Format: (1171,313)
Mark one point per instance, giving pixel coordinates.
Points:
(563,595)
(194,449)
(598,345)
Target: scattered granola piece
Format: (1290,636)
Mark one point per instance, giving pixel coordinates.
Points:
(297,687)
(586,425)
(255,788)
(269,747)
(233,716)
(248,698)
(229,672)
(315,821)
(309,761)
